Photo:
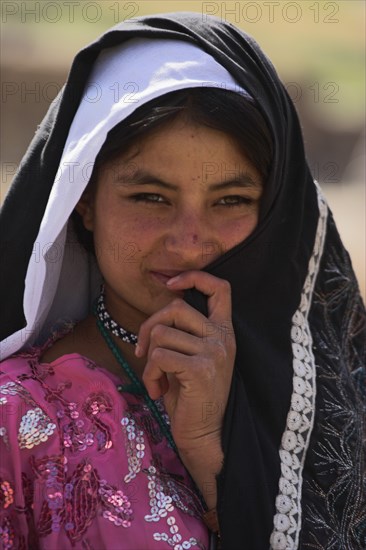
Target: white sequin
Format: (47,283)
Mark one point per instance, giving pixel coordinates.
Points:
(35,428)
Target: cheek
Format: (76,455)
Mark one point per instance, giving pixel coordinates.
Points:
(148,226)
(122,228)
(236,232)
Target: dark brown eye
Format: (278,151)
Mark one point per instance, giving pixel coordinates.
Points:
(234,200)
(149,197)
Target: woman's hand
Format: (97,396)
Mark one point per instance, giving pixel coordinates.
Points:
(190,361)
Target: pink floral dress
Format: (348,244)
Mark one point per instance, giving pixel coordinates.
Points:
(85,466)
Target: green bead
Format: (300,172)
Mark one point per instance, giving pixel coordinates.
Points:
(136,387)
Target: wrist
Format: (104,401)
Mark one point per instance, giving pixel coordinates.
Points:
(206,453)
(204,463)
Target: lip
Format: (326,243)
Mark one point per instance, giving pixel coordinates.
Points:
(164,275)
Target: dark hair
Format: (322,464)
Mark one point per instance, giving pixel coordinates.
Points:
(216,108)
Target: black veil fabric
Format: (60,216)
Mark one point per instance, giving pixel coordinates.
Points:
(239,54)
(267,273)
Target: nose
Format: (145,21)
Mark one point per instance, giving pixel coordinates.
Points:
(191,238)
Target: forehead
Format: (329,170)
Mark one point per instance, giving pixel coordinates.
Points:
(179,141)
(181,154)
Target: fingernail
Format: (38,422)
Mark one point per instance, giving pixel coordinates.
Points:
(173,280)
(138,350)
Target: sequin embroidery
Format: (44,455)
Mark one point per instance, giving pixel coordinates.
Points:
(11,388)
(35,428)
(117,505)
(135,446)
(6,494)
(3,430)
(72,503)
(7,534)
(78,434)
(59,498)
(161,506)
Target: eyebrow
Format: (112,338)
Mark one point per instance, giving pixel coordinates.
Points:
(139,177)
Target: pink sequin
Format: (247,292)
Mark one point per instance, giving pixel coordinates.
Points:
(6,494)
(96,467)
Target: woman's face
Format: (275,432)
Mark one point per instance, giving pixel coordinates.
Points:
(174,201)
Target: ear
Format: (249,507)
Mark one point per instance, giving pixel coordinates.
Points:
(85,207)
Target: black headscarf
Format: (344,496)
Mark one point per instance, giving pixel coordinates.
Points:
(295,300)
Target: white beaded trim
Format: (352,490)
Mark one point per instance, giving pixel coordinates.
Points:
(300,419)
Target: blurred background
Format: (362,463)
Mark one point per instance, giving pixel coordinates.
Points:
(317,47)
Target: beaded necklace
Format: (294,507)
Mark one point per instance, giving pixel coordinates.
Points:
(136,386)
(110,324)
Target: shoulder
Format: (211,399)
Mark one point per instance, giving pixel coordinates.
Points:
(65,378)
(20,384)
(48,379)
(26,419)
(27,382)
(38,399)
(12,371)
(82,340)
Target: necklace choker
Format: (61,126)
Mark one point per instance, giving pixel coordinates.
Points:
(112,325)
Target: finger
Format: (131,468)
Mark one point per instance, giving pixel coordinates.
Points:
(177,314)
(162,336)
(162,362)
(194,377)
(217,290)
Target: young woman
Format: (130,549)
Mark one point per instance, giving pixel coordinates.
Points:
(183,349)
